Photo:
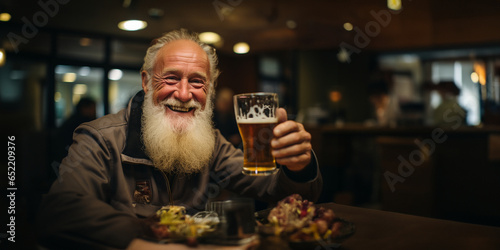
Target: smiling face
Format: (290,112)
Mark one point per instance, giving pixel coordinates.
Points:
(180,79)
(177,127)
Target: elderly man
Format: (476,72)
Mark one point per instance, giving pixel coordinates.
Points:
(161,150)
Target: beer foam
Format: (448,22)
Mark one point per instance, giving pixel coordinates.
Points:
(258,120)
(257,114)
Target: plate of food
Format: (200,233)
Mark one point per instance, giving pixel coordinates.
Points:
(173,224)
(303,224)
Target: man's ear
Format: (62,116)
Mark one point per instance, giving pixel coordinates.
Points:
(144,76)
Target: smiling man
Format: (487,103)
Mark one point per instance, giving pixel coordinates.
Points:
(177,88)
(162,149)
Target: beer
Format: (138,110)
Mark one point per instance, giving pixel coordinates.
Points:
(257,136)
(256,119)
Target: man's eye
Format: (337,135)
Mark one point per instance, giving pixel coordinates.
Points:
(171,79)
(198,83)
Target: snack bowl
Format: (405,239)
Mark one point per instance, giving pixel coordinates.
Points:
(298,239)
(303,225)
(171,224)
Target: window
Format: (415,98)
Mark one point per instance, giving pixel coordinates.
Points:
(21,101)
(74,83)
(122,88)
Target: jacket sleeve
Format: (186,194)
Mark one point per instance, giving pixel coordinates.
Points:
(229,163)
(76,212)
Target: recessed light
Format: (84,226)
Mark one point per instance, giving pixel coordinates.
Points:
(5,17)
(394,4)
(241,48)
(209,37)
(132,25)
(348,26)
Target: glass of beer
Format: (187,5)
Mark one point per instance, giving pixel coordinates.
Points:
(256,118)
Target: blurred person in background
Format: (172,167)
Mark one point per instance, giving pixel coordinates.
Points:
(384,105)
(448,113)
(85,111)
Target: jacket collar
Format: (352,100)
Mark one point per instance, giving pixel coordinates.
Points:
(134,147)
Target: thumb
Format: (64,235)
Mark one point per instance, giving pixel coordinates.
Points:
(282,115)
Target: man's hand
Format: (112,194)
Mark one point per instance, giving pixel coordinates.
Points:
(291,143)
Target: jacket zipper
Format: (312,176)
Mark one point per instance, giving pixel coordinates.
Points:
(167,182)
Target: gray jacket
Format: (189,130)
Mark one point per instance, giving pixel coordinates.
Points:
(107,184)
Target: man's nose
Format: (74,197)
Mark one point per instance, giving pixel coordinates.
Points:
(183,92)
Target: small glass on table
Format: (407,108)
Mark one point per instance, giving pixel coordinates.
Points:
(237,221)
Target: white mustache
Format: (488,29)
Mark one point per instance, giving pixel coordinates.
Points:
(181,105)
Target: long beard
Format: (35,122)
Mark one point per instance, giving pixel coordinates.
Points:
(175,144)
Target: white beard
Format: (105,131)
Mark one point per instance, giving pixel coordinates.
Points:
(176,144)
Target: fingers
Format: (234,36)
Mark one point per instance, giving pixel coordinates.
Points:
(295,163)
(289,133)
(291,145)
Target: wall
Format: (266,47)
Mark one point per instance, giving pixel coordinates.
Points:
(320,72)
(238,72)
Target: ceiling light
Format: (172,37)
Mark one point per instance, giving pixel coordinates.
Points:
(115,74)
(394,4)
(4,17)
(132,25)
(348,26)
(2,57)
(210,37)
(69,77)
(241,48)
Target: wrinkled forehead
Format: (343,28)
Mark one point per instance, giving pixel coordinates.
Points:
(184,51)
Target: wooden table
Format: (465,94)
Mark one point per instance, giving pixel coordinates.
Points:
(377,229)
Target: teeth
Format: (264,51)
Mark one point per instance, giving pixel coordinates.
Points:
(179,109)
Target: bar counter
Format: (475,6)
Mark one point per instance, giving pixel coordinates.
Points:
(447,173)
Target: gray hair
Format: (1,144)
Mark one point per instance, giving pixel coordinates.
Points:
(181,34)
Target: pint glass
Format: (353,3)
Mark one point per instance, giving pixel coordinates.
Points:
(256,118)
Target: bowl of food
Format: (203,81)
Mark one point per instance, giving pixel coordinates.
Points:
(303,224)
(173,224)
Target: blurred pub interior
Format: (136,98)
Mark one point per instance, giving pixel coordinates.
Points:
(365,80)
